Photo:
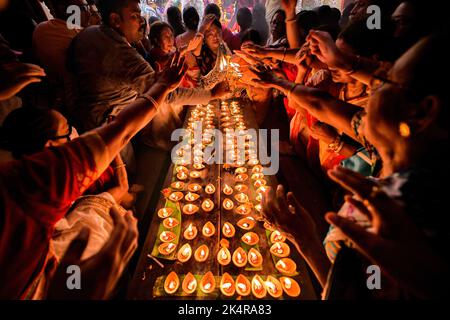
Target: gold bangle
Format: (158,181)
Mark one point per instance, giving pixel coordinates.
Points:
(149,99)
(120,166)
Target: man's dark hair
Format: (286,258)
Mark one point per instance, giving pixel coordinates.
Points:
(251,35)
(174,19)
(106,7)
(244,18)
(27,130)
(191,18)
(212,8)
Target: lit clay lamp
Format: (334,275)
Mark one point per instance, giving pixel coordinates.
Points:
(171,283)
(280,249)
(166,248)
(207,205)
(228,204)
(176,196)
(260,183)
(170,223)
(227,190)
(194,187)
(190,209)
(258,207)
(195,174)
(185,253)
(182,175)
(274,287)
(210,188)
(257,169)
(199,166)
(208,229)
(244,209)
(269,226)
(241,177)
(290,286)
(241,188)
(243,285)
(190,232)
(286,266)
(227,285)
(277,236)
(208,283)
(189,284)
(258,287)
(224,256)
(167,236)
(177,185)
(250,238)
(246,223)
(241,170)
(181,169)
(228,230)
(202,253)
(191,196)
(257,176)
(241,197)
(255,258)
(165,212)
(239,257)
(253,162)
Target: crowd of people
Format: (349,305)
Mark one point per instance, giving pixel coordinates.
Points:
(362,114)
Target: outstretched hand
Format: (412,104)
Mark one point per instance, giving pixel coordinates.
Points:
(393,242)
(173,74)
(17,75)
(324,48)
(101,272)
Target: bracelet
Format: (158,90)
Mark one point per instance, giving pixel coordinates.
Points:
(355,66)
(149,99)
(120,166)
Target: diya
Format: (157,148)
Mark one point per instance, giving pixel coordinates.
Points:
(166,248)
(208,283)
(176,196)
(290,286)
(207,205)
(243,286)
(239,257)
(228,204)
(170,223)
(241,188)
(241,197)
(286,266)
(280,249)
(224,256)
(189,284)
(210,188)
(202,253)
(182,175)
(246,223)
(165,212)
(194,187)
(255,258)
(277,236)
(190,209)
(191,196)
(167,236)
(190,232)
(177,185)
(227,286)
(171,283)
(244,209)
(228,230)
(250,238)
(185,253)
(258,287)
(195,174)
(208,229)
(227,190)
(274,287)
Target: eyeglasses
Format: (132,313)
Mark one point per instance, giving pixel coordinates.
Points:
(66,136)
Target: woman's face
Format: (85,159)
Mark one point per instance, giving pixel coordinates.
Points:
(338,75)
(63,130)
(166,40)
(277,25)
(213,37)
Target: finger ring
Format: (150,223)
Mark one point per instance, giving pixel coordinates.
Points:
(120,166)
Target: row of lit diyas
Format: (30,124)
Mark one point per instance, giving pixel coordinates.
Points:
(231,119)
(228,286)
